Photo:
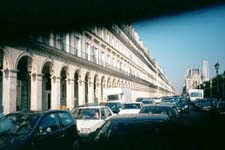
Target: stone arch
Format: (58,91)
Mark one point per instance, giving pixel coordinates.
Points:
(102,84)
(24,67)
(95,84)
(77,76)
(46,61)
(63,87)
(109,84)
(118,83)
(20,56)
(46,85)
(86,82)
(114,83)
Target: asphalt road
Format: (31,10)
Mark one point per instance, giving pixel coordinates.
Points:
(203,130)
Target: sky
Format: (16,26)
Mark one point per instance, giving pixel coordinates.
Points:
(183,41)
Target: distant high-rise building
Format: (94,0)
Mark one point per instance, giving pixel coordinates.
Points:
(193,78)
(205,70)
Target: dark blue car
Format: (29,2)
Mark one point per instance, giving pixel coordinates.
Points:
(27,131)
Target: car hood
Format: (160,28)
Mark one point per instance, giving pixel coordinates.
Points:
(7,141)
(91,124)
(129,111)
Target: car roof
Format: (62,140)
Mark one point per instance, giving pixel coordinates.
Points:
(90,107)
(130,117)
(161,105)
(36,112)
(133,103)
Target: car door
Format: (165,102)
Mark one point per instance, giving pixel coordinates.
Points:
(69,131)
(48,132)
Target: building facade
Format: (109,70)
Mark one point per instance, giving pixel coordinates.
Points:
(63,70)
(193,79)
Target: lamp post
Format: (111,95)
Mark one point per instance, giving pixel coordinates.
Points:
(217,65)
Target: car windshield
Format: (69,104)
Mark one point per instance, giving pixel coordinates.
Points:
(17,123)
(132,106)
(86,113)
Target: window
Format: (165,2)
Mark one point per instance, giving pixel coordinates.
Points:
(49,123)
(103,58)
(95,54)
(112,42)
(78,45)
(87,52)
(103,115)
(66,119)
(107,112)
(109,59)
(62,41)
(107,37)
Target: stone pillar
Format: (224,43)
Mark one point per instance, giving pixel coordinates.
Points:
(70,94)
(104,92)
(36,92)
(55,92)
(9,91)
(81,91)
(98,92)
(90,92)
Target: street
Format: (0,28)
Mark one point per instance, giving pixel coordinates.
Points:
(203,130)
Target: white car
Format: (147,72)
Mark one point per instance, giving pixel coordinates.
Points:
(131,108)
(90,118)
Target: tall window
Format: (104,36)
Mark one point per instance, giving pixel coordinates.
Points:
(95,54)
(108,59)
(107,37)
(62,41)
(78,45)
(87,51)
(103,58)
(116,46)
(113,42)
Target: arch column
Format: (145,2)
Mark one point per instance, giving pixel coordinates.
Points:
(70,93)
(81,89)
(36,91)
(9,91)
(91,88)
(98,90)
(90,91)
(55,92)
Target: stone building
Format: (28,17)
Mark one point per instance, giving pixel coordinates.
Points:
(193,79)
(63,70)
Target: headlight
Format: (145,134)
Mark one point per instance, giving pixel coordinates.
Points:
(85,130)
(186,106)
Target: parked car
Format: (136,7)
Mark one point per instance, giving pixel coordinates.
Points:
(126,132)
(90,118)
(115,106)
(37,131)
(131,108)
(220,108)
(148,101)
(203,105)
(160,109)
(1,115)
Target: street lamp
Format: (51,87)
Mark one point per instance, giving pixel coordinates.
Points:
(217,65)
